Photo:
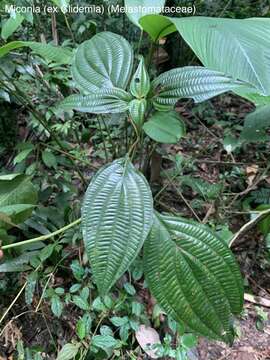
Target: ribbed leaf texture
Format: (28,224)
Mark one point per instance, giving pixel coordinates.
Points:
(193,276)
(194,82)
(104,61)
(137,109)
(103,101)
(116,219)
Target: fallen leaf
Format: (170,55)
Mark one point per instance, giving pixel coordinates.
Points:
(147,337)
(251,172)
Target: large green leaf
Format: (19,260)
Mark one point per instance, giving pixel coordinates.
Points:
(11,25)
(49,52)
(17,197)
(194,82)
(19,263)
(165,127)
(256,124)
(238,48)
(104,61)
(116,219)
(135,9)
(17,190)
(14,214)
(110,100)
(193,276)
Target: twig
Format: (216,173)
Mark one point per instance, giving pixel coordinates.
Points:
(43,237)
(13,302)
(248,226)
(183,198)
(257,300)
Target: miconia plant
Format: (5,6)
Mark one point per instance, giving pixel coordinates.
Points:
(189,270)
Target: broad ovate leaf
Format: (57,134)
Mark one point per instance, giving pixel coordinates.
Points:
(116,219)
(194,82)
(104,101)
(104,61)
(140,82)
(135,9)
(165,127)
(193,275)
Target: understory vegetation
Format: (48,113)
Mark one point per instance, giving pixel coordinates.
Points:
(134,180)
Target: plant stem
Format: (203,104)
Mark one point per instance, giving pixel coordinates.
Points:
(69,29)
(103,139)
(43,237)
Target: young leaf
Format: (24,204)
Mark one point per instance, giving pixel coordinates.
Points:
(68,352)
(22,155)
(116,218)
(104,341)
(30,287)
(56,305)
(104,101)
(165,127)
(81,329)
(194,82)
(49,159)
(140,82)
(193,276)
(104,61)
(137,108)
(80,302)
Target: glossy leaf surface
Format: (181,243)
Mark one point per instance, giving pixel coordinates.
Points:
(116,219)
(110,100)
(194,82)
(193,276)
(104,61)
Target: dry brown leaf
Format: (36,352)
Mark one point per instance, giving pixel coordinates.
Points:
(146,337)
(251,172)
